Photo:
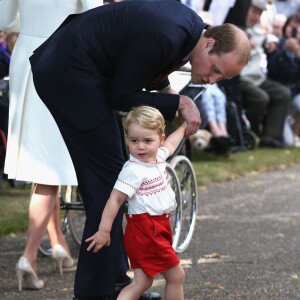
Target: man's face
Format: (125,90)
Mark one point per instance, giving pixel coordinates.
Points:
(208,69)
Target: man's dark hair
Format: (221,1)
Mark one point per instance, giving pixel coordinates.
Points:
(226,41)
(224,36)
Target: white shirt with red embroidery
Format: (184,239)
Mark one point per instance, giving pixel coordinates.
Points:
(147,185)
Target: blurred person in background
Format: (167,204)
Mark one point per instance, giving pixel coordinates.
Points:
(6,48)
(196,5)
(287,7)
(266,102)
(277,24)
(231,11)
(11,41)
(212,107)
(284,66)
(4,55)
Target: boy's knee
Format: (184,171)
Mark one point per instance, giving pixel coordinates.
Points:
(178,277)
(145,284)
(181,275)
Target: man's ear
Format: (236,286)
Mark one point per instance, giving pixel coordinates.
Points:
(209,43)
(162,139)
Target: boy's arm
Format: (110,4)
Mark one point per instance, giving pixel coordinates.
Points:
(102,237)
(174,139)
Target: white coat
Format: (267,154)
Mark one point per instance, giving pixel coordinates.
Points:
(36,151)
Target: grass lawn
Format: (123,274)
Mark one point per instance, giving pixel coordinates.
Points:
(208,168)
(13,208)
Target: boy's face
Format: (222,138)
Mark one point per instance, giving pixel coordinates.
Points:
(143,143)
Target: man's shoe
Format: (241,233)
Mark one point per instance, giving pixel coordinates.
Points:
(221,145)
(150,296)
(269,142)
(98,298)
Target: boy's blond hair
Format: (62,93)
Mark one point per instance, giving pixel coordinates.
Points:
(147,117)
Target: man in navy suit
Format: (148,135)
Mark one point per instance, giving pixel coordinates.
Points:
(110,58)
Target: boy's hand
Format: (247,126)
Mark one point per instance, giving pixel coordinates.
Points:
(99,240)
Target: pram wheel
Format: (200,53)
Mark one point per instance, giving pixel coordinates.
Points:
(189,193)
(175,215)
(251,140)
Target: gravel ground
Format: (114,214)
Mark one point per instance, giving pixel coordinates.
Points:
(245,245)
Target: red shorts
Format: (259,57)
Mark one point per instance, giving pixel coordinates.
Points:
(148,243)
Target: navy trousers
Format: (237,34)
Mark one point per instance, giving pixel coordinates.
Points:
(97,156)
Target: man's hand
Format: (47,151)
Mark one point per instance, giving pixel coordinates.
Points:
(190,113)
(291,44)
(99,240)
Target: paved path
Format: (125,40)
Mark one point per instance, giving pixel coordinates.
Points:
(246,245)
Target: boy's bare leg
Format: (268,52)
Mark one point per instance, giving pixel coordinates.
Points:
(140,283)
(174,283)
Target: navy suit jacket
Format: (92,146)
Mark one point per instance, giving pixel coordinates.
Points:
(108,57)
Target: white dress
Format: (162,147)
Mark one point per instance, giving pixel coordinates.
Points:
(36,151)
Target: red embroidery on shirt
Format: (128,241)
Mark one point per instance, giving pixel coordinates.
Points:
(148,188)
(151,186)
(151,181)
(149,193)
